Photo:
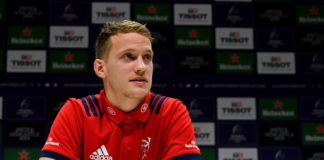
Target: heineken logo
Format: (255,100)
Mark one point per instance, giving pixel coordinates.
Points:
(193,37)
(61,61)
(313,133)
(278,108)
(23,154)
(320,129)
(235,62)
(26,31)
(314,11)
(277,104)
(151,9)
(29,36)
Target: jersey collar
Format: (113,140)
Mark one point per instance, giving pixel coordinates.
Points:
(141,113)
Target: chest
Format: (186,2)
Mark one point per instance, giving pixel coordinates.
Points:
(134,140)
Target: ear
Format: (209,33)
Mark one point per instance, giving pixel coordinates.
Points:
(99,68)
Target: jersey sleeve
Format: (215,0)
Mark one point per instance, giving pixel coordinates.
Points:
(179,140)
(64,140)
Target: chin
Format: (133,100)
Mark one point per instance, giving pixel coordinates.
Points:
(140,93)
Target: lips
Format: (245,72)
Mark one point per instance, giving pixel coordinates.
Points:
(139,79)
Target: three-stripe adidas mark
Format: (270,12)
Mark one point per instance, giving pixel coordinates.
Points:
(101,154)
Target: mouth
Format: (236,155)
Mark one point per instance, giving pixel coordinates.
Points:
(140,80)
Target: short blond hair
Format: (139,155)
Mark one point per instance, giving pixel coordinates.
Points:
(103,42)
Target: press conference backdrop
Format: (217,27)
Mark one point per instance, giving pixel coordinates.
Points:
(250,72)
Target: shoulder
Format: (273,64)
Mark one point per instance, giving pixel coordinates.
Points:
(163,105)
(87,106)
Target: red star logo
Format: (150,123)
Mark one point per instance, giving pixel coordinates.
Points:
(277,104)
(152,9)
(235,58)
(313,11)
(320,129)
(68,56)
(193,33)
(27,31)
(23,155)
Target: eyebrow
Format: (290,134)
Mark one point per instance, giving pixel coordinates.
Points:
(147,50)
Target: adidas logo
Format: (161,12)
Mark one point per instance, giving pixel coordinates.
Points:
(101,154)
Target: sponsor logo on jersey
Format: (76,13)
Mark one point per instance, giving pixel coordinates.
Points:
(310,15)
(234,38)
(2,11)
(104,12)
(145,147)
(193,37)
(193,14)
(204,133)
(24,133)
(26,61)
(100,154)
(278,108)
(51,142)
(68,61)
(276,63)
(27,36)
(21,153)
(237,154)
(68,37)
(235,62)
(152,13)
(236,108)
(313,133)
(279,134)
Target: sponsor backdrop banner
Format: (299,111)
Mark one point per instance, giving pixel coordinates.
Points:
(251,72)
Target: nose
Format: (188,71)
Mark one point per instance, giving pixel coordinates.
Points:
(140,65)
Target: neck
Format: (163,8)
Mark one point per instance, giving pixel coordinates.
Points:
(123,103)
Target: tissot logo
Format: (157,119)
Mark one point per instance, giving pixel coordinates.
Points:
(104,12)
(236,108)
(234,38)
(26,61)
(278,108)
(313,133)
(192,14)
(68,61)
(27,36)
(235,62)
(310,15)
(152,13)
(193,37)
(276,63)
(68,37)
(205,133)
(237,154)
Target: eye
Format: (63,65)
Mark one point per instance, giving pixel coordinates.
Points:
(148,57)
(128,56)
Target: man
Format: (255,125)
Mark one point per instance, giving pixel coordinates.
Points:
(126,120)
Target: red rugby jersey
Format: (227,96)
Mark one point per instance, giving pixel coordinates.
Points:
(91,128)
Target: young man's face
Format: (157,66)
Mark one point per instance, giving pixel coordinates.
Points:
(129,66)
